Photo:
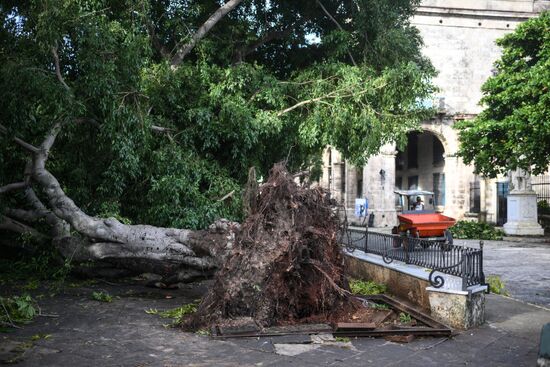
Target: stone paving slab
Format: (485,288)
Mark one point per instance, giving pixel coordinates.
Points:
(524,267)
(91,333)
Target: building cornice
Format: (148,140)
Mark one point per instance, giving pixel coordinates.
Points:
(475,13)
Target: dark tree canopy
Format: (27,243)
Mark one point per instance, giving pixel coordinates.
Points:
(513,131)
(158,125)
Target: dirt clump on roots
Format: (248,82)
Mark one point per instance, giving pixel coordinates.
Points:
(285,266)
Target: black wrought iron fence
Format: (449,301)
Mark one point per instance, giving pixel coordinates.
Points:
(439,256)
(541,185)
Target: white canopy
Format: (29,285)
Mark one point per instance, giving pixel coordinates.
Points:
(413,192)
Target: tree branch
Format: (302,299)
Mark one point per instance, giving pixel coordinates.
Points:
(60,228)
(31,148)
(330,95)
(12,187)
(58,68)
(9,224)
(337,24)
(183,50)
(267,37)
(161,129)
(25,215)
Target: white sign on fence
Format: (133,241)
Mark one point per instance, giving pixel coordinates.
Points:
(361,206)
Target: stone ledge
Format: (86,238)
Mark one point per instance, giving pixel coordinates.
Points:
(451,282)
(471,290)
(449,304)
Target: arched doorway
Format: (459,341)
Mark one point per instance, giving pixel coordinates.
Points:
(421,166)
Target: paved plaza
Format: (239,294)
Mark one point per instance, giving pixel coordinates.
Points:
(121,333)
(524,267)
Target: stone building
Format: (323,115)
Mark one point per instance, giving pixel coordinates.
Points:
(459,38)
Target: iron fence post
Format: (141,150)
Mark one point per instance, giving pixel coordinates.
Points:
(366,238)
(481,274)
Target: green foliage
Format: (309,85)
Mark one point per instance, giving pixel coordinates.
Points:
(36,337)
(512,131)
(404,318)
(102,297)
(380,306)
(496,285)
(229,106)
(177,314)
(44,264)
(17,310)
(203,332)
(475,231)
(543,207)
(366,288)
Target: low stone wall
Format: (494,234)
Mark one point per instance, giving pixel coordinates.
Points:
(402,285)
(451,306)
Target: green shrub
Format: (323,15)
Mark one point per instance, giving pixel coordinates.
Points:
(543,207)
(496,285)
(475,231)
(366,288)
(17,310)
(405,318)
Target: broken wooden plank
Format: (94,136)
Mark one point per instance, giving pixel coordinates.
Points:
(355,326)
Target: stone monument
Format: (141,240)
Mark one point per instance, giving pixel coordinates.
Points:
(522,206)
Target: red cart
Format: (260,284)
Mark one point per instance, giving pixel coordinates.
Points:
(419,219)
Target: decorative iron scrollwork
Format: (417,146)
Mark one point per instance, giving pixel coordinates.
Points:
(436,282)
(387,257)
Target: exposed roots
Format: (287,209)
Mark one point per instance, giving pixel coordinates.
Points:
(286,265)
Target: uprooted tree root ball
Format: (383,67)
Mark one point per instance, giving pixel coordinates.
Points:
(285,266)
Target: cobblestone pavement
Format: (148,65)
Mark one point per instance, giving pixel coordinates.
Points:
(121,333)
(524,267)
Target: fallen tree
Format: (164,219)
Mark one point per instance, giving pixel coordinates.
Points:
(158,111)
(282,264)
(285,264)
(175,254)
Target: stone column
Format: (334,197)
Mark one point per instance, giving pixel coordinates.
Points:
(351,186)
(337,177)
(522,207)
(379,184)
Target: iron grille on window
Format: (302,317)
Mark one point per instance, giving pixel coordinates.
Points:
(412,150)
(475,198)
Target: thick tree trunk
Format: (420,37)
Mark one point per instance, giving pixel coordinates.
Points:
(175,254)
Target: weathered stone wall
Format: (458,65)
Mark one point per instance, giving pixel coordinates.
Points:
(459,38)
(459,311)
(403,286)
(456,308)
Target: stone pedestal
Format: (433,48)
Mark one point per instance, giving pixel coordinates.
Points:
(522,214)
